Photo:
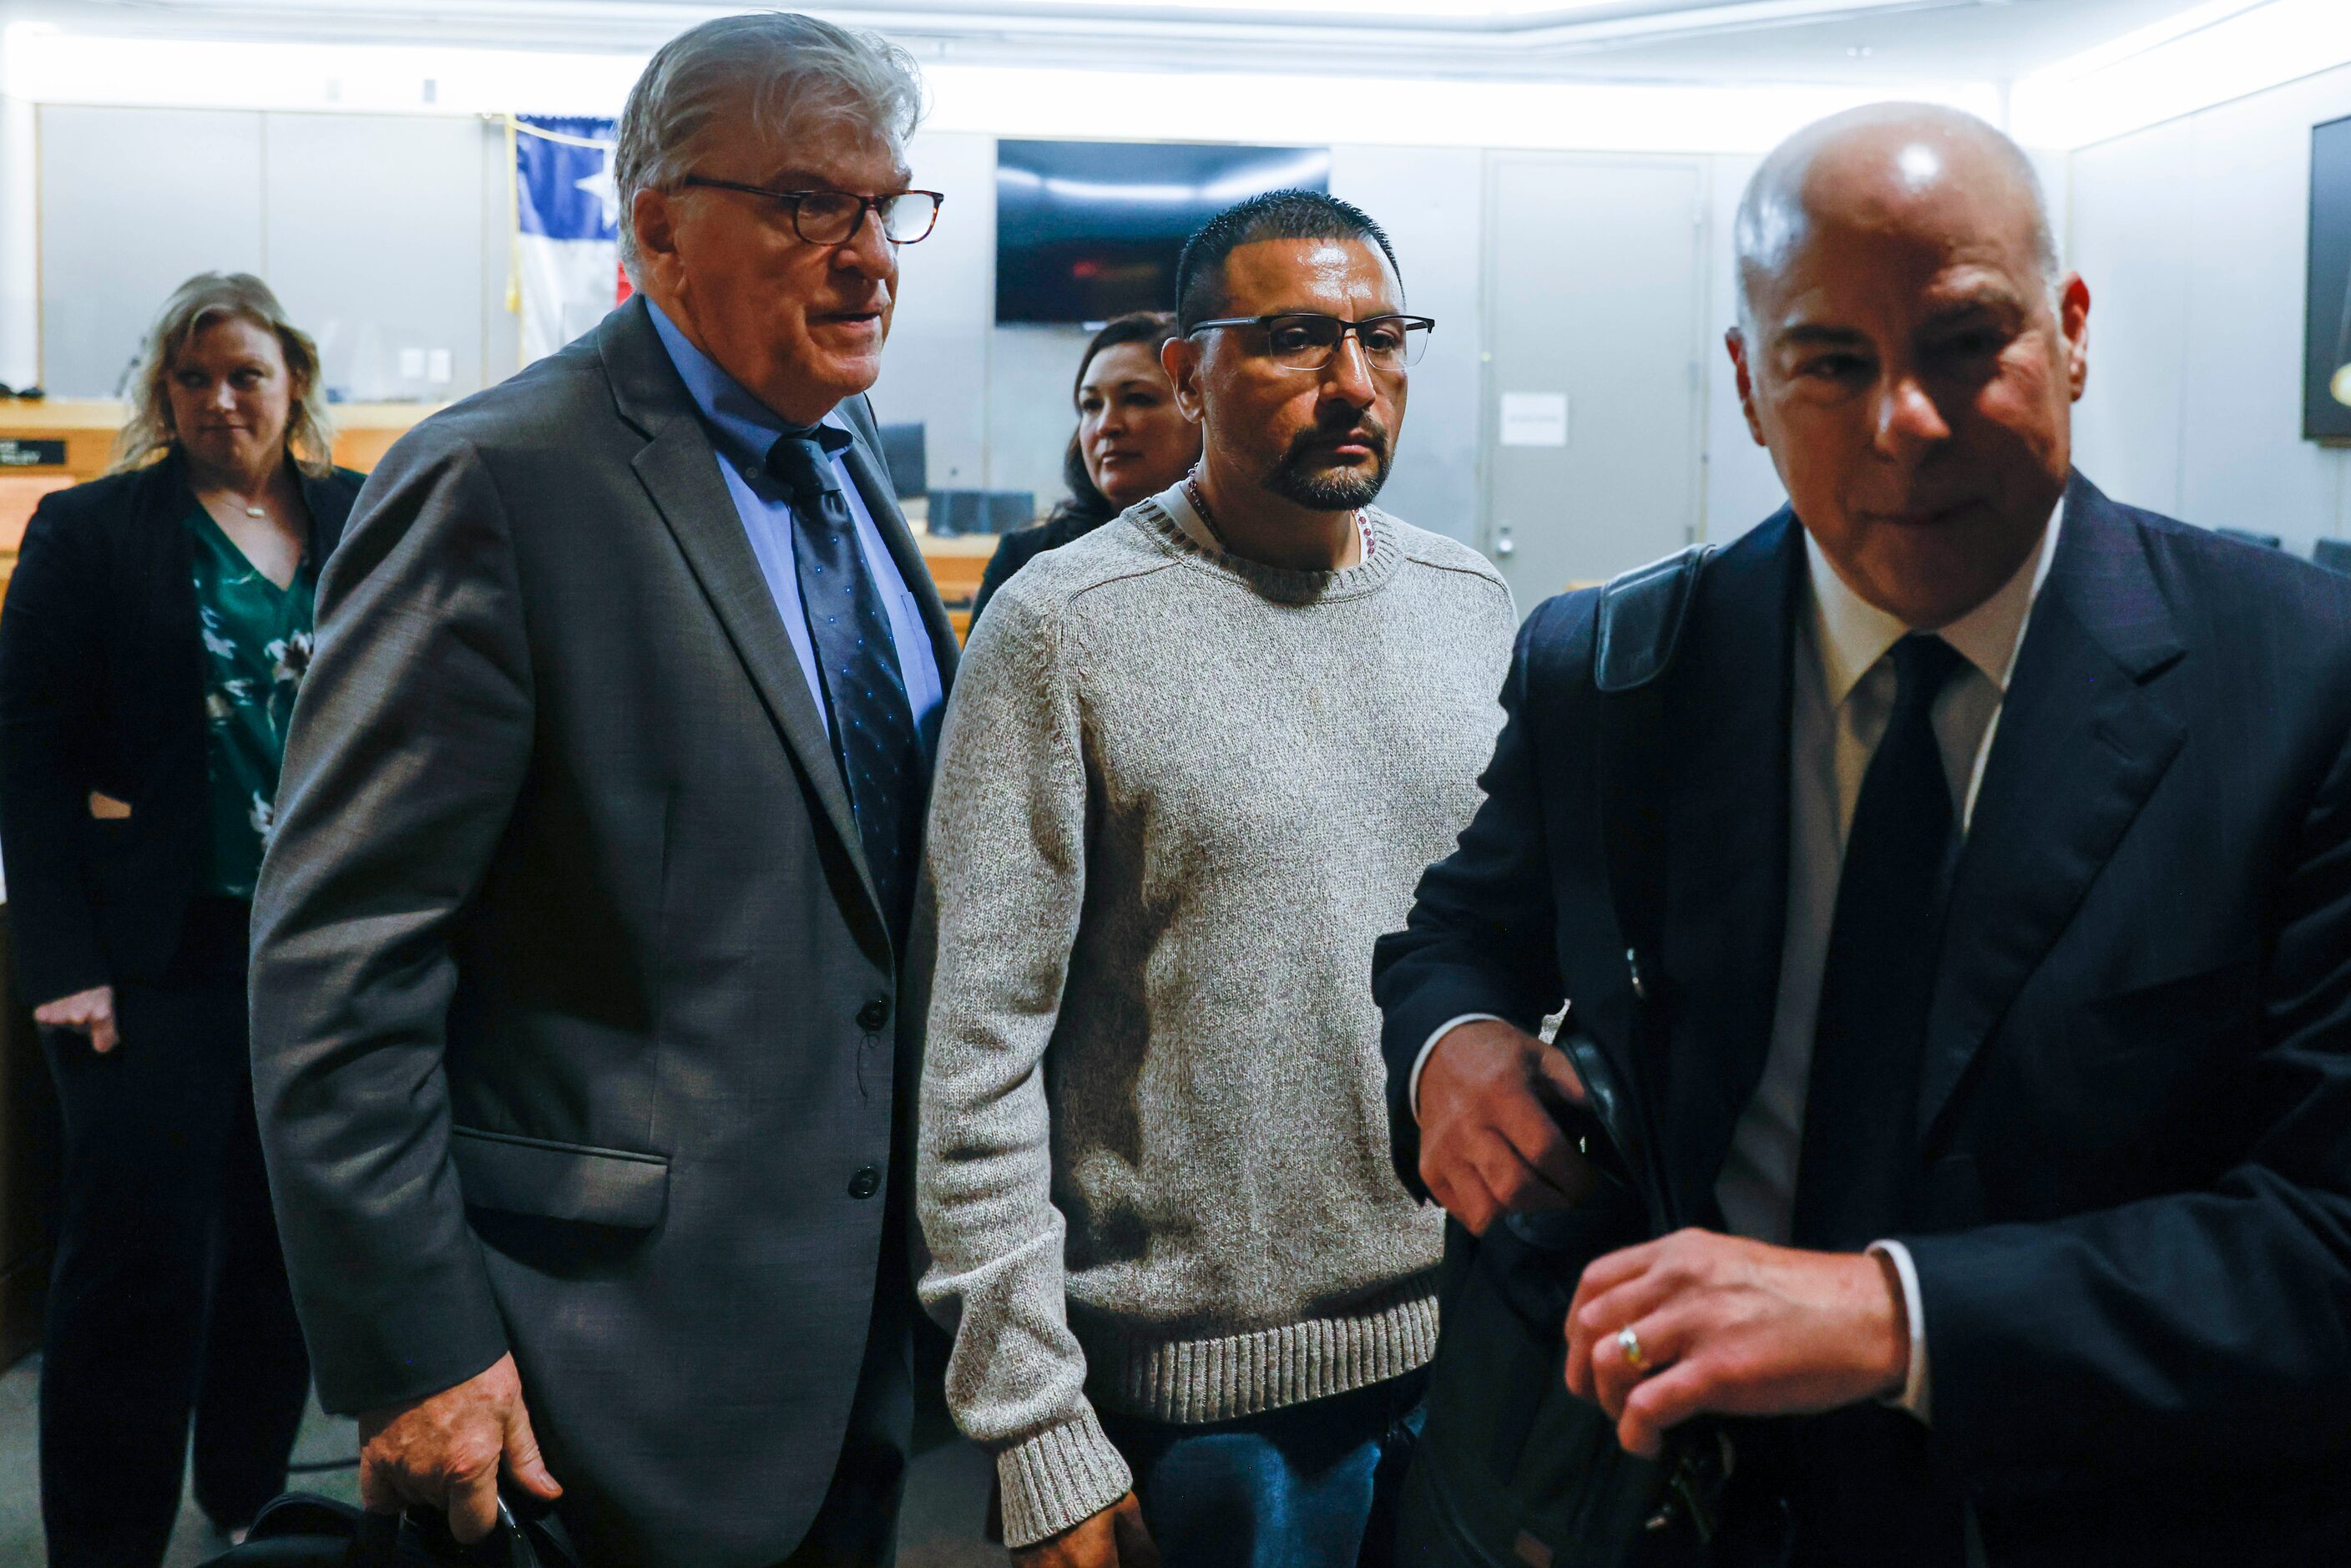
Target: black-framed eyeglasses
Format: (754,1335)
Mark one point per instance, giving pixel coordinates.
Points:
(833,217)
(1306,340)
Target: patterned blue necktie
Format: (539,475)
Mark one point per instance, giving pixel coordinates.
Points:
(1884,940)
(873,736)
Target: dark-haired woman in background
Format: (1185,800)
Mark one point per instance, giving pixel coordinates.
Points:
(156,632)
(1131,443)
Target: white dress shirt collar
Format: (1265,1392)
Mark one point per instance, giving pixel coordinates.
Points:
(1852,634)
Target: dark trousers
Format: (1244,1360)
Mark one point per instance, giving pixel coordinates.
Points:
(168,1295)
(1307,1486)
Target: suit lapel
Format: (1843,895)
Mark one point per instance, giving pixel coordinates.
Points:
(2085,733)
(679,470)
(1726,876)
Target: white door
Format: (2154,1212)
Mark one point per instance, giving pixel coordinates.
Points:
(1595,405)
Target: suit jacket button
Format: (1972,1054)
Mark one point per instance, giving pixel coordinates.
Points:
(865,1183)
(872,1016)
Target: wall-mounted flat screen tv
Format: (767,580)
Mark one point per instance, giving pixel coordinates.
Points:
(1088,230)
(2326,343)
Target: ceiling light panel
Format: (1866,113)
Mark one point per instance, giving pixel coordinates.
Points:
(1254,10)
(2210,54)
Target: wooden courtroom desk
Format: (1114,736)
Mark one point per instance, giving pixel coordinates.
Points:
(79,434)
(957,565)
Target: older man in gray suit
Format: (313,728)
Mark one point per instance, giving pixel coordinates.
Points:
(575,1036)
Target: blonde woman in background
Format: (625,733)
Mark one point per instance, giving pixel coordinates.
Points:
(154,637)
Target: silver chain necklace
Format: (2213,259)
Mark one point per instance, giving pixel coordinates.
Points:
(1199,499)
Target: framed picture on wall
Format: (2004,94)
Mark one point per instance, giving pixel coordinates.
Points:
(2326,344)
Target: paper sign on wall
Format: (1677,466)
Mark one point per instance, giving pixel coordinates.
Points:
(1534,419)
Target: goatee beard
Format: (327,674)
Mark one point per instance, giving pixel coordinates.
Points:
(1330,489)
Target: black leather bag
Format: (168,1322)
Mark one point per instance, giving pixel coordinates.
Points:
(301,1529)
(1512,1470)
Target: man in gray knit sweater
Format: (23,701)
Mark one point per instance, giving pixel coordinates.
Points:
(1193,765)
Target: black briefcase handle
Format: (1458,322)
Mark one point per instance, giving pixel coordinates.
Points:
(417,1537)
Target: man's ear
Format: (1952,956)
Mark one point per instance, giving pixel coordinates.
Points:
(1180,357)
(2073,320)
(653,217)
(1736,342)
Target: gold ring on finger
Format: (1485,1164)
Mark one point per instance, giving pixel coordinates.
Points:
(1630,1343)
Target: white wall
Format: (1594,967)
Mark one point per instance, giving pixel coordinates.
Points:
(385,232)
(1743,489)
(2193,236)
(20,306)
(385,235)
(134,200)
(934,371)
(1428,199)
(996,400)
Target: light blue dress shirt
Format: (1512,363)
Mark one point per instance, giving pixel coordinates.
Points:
(744,430)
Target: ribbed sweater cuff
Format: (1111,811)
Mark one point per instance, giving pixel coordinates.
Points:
(1059,1478)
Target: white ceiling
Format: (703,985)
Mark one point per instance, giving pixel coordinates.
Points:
(1839,41)
(1972,41)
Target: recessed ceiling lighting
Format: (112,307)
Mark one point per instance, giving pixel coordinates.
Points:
(1489,10)
(1861,51)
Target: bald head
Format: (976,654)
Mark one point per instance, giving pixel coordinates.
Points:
(1881,166)
(1908,352)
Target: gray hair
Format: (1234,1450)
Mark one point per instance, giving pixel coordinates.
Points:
(782,73)
(1771,218)
(201,300)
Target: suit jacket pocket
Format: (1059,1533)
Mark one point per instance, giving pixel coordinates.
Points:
(2152,1101)
(577,1182)
(2184,1014)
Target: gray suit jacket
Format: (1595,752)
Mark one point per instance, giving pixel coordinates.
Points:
(575,1021)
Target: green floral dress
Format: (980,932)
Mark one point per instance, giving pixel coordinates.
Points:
(256,649)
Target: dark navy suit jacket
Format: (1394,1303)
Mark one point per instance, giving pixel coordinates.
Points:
(2131,1213)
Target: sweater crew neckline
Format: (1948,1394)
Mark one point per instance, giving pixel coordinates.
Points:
(1165,517)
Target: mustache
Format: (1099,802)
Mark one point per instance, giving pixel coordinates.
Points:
(1363,427)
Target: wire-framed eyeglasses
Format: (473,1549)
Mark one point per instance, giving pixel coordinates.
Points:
(833,217)
(1307,341)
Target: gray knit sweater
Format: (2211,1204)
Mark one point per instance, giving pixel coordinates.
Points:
(1179,797)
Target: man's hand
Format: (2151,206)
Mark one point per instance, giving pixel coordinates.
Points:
(1732,1327)
(1114,1538)
(90,1012)
(443,1452)
(1488,1143)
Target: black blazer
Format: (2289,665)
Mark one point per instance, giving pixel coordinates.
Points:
(101,689)
(575,1018)
(2131,1212)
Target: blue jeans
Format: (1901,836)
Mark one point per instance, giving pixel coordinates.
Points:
(1311,1486)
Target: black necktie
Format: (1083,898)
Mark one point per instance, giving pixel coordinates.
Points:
(1885,939)
(873,736)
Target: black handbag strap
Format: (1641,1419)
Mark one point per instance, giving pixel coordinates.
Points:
(1637,632)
